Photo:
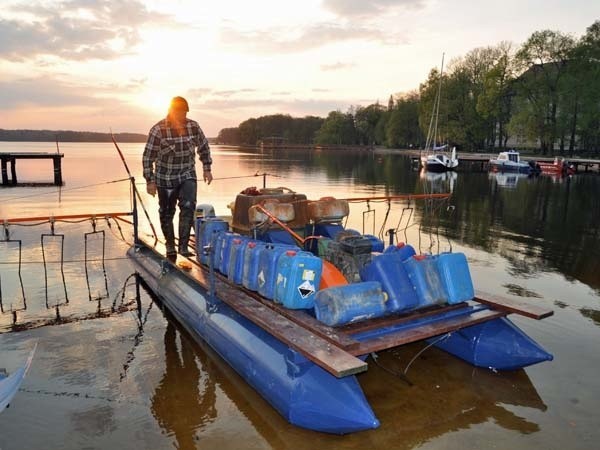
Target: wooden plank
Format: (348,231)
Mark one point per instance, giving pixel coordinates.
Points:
(521,307)
(396,319)
(323,353)
(427,330)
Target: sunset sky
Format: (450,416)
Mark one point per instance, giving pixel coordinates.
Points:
(97,64)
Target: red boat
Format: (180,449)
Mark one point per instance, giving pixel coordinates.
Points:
(558,167)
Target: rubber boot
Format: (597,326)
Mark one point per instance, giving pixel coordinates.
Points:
(169,233)
(185,226)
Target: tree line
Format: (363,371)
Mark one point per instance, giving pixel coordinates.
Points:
(543,94)
(66,136)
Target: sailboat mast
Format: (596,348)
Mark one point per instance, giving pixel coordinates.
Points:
(437,106)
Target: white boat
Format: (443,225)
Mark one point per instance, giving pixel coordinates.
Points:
(510,161)
(437,158)
(9,384)
(440,162)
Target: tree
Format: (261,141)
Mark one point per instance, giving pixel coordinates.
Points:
(338,128)
(586,121)
(365,121)
(402,128)
(494,102)
(542,60)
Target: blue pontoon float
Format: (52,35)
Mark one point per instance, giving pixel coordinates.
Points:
(284,343)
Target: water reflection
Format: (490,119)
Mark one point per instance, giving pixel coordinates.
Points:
(439,182)
(506,179)
(447,395)
(184,400)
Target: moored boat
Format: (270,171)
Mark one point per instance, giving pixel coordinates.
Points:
(440,162)
(510,161)
(302,331)
(558,167)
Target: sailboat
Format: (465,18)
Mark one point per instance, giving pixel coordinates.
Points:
(437,159)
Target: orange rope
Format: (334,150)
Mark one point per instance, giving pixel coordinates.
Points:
(64,217)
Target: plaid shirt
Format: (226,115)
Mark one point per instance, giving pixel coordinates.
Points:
(172,152)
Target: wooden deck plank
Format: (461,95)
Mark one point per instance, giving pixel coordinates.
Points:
(523,308)
(424,331)
(396,319)
(323,353)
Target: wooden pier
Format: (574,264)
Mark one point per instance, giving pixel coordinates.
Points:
(12,158)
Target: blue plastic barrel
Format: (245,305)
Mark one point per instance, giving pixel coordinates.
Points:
(425,277)
(456,278)
(298,278)
(340,305)
(267,268)
(389,270)
(250,269)
(235,270)
(205,230)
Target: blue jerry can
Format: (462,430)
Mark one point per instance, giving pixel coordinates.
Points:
(218,239)
(250,269)
(298,278)
(267,268)
(388,270)
(350,303)
(425,277)
(223,265)
(205,230)
(236,259)
(456,278)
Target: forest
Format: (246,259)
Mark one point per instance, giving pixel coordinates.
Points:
(542,95)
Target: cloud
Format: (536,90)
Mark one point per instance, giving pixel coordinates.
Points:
(232,92)
(281,40)
(337,66)
(74,29)
(369,8)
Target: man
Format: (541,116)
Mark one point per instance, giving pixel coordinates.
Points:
(169,170)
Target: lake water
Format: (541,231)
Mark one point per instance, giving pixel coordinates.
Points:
(112,370)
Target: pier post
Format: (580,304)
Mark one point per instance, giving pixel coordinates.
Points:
(57,170)
(13,171)
(4,172)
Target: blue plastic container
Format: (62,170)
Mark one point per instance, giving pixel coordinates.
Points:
(236,259)
(250,266)
(389,270)
(267,268)
(298,278)
(405,250)
(376,243)
(425,278)
(223,265)
(218,240)
(456,278)
(340,305)
(205,230)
